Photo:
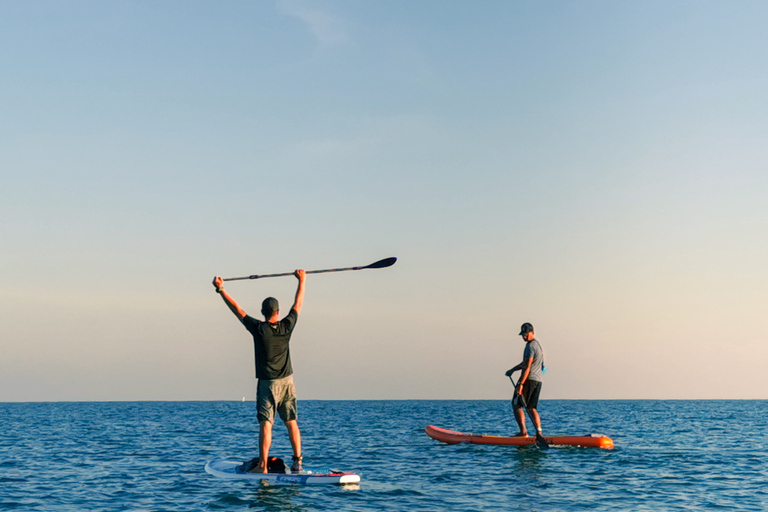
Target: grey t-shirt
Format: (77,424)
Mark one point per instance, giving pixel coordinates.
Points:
(533,350)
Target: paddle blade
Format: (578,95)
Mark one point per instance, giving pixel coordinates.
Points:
(386,262)
(541,442)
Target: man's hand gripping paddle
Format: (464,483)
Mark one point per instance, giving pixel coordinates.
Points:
(540,441)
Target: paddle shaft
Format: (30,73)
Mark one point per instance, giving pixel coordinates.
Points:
(387,262)
(520,396)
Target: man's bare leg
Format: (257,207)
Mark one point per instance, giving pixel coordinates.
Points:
(534,414)
(265,441)
(541,441)
(520,418)
(294,436)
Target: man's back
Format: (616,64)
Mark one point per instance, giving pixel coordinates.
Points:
(271,345)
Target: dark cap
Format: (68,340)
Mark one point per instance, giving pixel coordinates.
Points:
(526,328)
(269,306)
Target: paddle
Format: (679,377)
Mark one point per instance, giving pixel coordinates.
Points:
(540,441)
(386,262)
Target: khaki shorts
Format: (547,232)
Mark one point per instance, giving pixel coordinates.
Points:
(278,394)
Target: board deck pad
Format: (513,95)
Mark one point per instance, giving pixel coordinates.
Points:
(228,469)
(453,437)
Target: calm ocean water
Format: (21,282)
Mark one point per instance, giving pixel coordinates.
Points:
(670,455)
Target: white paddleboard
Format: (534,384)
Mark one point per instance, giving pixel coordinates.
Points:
(227,469)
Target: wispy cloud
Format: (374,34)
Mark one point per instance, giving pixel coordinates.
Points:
(326,28)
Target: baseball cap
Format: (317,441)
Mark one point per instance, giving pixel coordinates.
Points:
(269,306)
(526,328)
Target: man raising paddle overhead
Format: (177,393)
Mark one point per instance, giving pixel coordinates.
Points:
(275,389)
(529,386)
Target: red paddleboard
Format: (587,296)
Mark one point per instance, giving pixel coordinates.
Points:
(452,437)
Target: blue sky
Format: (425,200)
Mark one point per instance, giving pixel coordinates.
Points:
(596,168)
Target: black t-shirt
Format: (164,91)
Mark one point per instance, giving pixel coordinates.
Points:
(271,350)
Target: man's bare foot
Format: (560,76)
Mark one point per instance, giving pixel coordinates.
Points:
(521,434)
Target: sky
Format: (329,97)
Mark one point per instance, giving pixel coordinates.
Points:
(596,168)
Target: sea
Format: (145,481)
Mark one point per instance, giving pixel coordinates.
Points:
(150,456)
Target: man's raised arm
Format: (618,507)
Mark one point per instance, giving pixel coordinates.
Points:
(218,283)
(299,300)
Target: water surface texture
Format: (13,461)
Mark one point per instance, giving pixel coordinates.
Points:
(669,455)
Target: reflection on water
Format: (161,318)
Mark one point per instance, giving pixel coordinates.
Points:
(276,498)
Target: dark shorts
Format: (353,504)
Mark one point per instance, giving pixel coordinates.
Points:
(276,395)
(531,391)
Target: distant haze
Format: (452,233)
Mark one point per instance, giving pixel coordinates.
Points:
(595,168)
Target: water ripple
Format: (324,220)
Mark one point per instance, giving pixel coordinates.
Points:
(672,455)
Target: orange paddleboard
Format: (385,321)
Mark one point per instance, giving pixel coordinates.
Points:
(452,437)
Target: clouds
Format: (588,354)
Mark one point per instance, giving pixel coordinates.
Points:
(327,29)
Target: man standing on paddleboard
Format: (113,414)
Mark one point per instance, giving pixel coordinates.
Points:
(529,386)
(275,389)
